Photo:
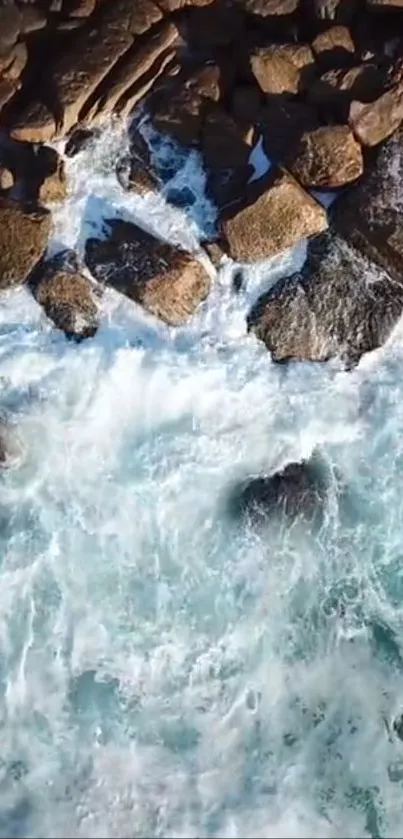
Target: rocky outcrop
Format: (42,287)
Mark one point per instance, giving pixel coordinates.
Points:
(167,281)
(338,305)
(275,215)
(268,8)
(328,157)
(67,298)
(298,491)
(23,239)
(370,215)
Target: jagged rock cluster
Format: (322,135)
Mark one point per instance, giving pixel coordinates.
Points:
(317,83)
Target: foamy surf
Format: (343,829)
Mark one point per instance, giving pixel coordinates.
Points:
(164,670)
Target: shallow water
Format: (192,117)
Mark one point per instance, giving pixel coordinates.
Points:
(164,670)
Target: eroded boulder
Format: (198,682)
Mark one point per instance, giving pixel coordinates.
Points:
(339,305)
(169,282)
(67,298)
(370,215)
(275,214)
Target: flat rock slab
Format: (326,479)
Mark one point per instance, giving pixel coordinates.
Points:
(169,282)
(276,214)
(327,157)
(339,305)
(68,300)
(23,240)
(282,68)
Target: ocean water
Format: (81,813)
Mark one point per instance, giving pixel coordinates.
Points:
(166,671)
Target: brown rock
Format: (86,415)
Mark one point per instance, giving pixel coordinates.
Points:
(140,64)
(32,19)
(370,216)
(68,300)
(276,214)
(376,121)
(168,282)
(215,251)
(7,90)
(136,175)
(180,110)
(281,68)
(54,186)
(18,60)
(6,178)
(334,47)
(328,157)
(338,305)
(83,8)
(34,124)
(76,73)
(10,23)
(23,239)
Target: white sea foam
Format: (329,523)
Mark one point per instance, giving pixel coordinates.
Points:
(164,670)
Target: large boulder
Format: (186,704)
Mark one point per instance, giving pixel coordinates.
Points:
(370,215)
(75,74)
(299,490)
(282,68)
(67,298)
(180,110)
(339,305)
(275,214)
(169,282)
(328,157)
(24,234)
(137,73)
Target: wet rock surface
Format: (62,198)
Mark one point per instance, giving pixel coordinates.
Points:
(298,491)
(169,282)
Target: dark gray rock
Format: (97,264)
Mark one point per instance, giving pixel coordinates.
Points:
(340,304)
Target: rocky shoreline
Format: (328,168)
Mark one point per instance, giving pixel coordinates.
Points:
(318,84)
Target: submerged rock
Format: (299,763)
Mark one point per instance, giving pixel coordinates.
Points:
(338,305)
(297,491)
(169,282)
(11,448)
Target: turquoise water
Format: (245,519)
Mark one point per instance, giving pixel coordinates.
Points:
(164,669)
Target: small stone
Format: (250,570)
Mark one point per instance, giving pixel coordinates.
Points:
(68,300)
(6,178)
